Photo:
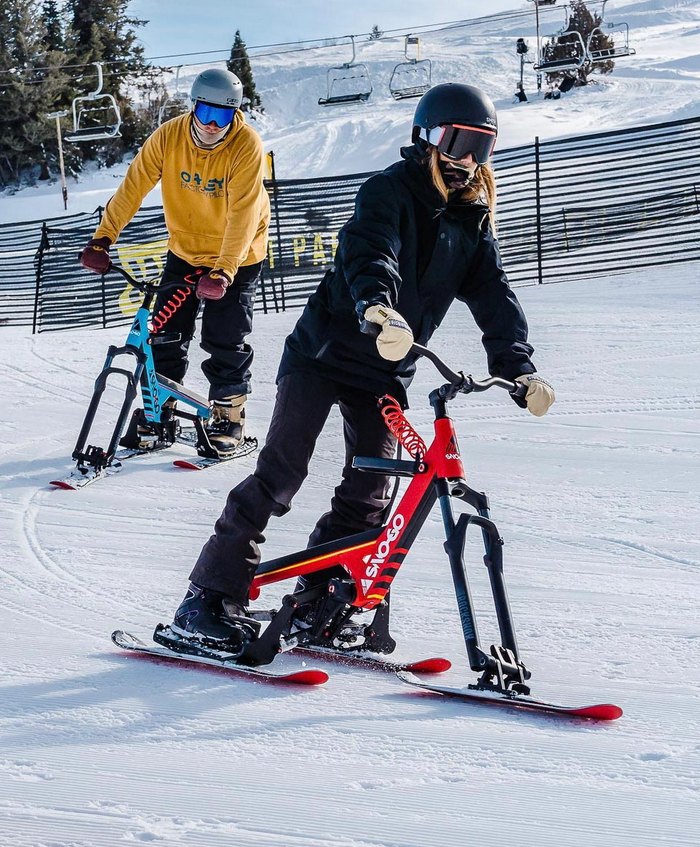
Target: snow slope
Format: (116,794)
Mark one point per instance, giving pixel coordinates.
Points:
(597,503)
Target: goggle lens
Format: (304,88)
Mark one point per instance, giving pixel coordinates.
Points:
(220,115)
(456,141)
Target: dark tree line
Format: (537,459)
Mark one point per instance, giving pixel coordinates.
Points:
(47,53)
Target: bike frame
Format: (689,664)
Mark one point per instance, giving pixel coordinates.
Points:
(373,558)
(156,390)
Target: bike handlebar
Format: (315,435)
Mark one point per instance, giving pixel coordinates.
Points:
(458,382)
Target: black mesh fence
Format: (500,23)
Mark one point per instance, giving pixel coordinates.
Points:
(572,208)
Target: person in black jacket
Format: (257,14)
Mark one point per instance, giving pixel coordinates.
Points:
(421,236)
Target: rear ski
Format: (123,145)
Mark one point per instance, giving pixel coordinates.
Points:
(375,661)
(248,445)
(185,652)
(599,712)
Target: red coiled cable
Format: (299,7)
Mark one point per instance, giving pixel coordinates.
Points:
(160,320)
(397,424)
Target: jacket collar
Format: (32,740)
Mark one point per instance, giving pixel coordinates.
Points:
(417,178)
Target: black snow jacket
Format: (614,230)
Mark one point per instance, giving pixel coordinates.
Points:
(404,248)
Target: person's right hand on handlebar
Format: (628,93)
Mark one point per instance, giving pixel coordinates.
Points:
(95,256)
(396,338)
(539,397)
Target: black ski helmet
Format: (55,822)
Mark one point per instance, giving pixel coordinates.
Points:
(453,103)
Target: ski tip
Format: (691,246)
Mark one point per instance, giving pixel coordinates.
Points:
(310,676)
(434,665)
(62,484)
(599,712)
(185,463)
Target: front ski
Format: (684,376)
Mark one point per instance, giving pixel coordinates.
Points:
(375,661)
(202,655)
(83,475)
(248,445)
(598,712)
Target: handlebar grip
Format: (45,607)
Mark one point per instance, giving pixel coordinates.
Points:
(370,328)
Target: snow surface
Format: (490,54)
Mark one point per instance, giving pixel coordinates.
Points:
(598,504)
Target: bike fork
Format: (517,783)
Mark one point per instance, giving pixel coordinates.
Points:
(501,669)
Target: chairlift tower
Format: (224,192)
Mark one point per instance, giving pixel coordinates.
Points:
(64,187)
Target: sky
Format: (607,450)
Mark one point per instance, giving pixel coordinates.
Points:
(172,28)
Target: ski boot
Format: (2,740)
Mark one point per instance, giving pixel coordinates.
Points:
(226,427)
(215,620)
(142,434)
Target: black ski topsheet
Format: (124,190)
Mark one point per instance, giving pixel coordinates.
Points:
(215,659)
(599,711)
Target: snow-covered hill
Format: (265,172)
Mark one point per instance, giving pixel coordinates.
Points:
(661,82)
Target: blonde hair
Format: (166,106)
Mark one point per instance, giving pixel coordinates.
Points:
(482,189)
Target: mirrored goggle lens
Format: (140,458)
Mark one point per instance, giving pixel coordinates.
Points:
(221,115)
(455,141)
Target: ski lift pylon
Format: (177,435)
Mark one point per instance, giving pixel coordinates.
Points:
(347,83)
(175,104)
(413,76)
(99,102)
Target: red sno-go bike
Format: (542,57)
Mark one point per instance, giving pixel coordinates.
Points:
(326,616)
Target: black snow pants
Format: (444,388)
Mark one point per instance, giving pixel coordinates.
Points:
(229,559)
(225,325)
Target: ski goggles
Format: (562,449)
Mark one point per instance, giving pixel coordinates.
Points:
(220,115)
(456,141)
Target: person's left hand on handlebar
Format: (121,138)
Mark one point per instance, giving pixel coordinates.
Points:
(396,338)
(212,286)
(540,394)
(95,255)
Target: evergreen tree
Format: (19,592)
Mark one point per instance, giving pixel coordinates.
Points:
(101,31)
(582,21)
(376,33)
(239,64)
(30,86)
(53,31)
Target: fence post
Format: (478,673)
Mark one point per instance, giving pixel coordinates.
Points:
(278,229)
(538,210)
(566,231)
(695,192)
(43,244)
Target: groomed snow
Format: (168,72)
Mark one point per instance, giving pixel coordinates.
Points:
(598,506)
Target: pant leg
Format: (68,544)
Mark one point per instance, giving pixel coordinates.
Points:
(359,502)
(228,560)
(170,358)
(226,323)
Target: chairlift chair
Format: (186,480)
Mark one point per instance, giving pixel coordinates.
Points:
(620,34)
(95,104)
(412,77)
(176,104)
(348,83)
(577,53)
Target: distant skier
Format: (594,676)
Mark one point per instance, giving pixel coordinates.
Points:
(421,236)
(210,164)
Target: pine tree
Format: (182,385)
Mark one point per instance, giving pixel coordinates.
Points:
(239,64)
(30,85)
(101,31)
(376,33)
(582,21)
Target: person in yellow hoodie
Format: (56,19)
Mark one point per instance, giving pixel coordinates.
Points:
(210,164)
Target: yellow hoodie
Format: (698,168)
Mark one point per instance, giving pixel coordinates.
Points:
(216,208)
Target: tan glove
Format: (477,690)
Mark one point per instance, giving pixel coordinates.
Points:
(540,394)
(396,338)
